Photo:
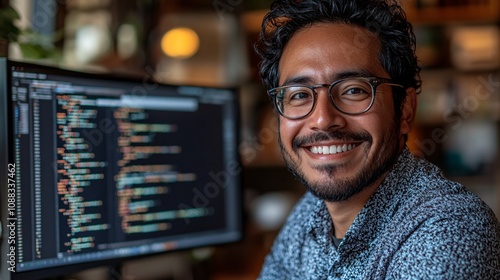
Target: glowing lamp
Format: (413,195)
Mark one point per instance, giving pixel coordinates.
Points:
(180,43)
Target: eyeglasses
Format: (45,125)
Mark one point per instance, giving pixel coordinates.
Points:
(352,96)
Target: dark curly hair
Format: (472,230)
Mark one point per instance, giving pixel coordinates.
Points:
(385,18)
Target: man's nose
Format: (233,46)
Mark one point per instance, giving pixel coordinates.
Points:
(324,115)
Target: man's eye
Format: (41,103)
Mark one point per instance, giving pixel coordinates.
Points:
(354,91)
(298,95)
(297,98)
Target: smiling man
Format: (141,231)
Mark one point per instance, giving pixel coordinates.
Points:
(344,80)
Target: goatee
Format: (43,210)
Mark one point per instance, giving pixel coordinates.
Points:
(333,188)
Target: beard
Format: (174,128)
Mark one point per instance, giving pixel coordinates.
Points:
(334,189)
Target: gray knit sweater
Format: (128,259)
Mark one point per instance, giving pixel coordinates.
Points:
(417,225)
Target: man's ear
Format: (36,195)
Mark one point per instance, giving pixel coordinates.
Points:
(409,111)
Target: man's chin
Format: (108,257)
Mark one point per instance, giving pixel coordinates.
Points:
(329,171)
(331,188)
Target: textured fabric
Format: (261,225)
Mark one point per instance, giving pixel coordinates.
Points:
(417,225)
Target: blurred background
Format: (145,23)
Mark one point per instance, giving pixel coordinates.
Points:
(210,42)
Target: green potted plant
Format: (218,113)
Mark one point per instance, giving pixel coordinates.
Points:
(33,46)
(9,32)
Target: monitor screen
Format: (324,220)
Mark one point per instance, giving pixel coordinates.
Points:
(98,168)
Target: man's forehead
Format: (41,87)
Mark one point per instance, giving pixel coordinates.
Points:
(328,49)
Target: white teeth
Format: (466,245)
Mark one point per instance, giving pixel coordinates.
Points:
(333,149)
(326,150)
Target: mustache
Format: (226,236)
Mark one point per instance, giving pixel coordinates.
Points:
(331,135)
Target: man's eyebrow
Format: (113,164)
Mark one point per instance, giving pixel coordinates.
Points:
(303,80)
(353,74)
(306,80)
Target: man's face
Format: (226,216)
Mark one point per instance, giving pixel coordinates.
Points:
(366,144)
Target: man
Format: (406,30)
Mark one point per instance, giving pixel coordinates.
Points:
(344,79)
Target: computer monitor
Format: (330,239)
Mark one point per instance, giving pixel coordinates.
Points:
(96,169)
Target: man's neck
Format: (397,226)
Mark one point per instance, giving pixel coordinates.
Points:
(343,213)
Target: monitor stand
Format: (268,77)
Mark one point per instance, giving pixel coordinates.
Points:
(115,272)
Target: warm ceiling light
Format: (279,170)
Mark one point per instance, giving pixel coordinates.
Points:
(180,42)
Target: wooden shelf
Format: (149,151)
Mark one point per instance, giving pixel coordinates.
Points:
(486,11)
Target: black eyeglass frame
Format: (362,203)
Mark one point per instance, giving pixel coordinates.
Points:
(374,82)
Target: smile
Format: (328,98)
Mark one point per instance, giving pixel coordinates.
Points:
(333,149)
